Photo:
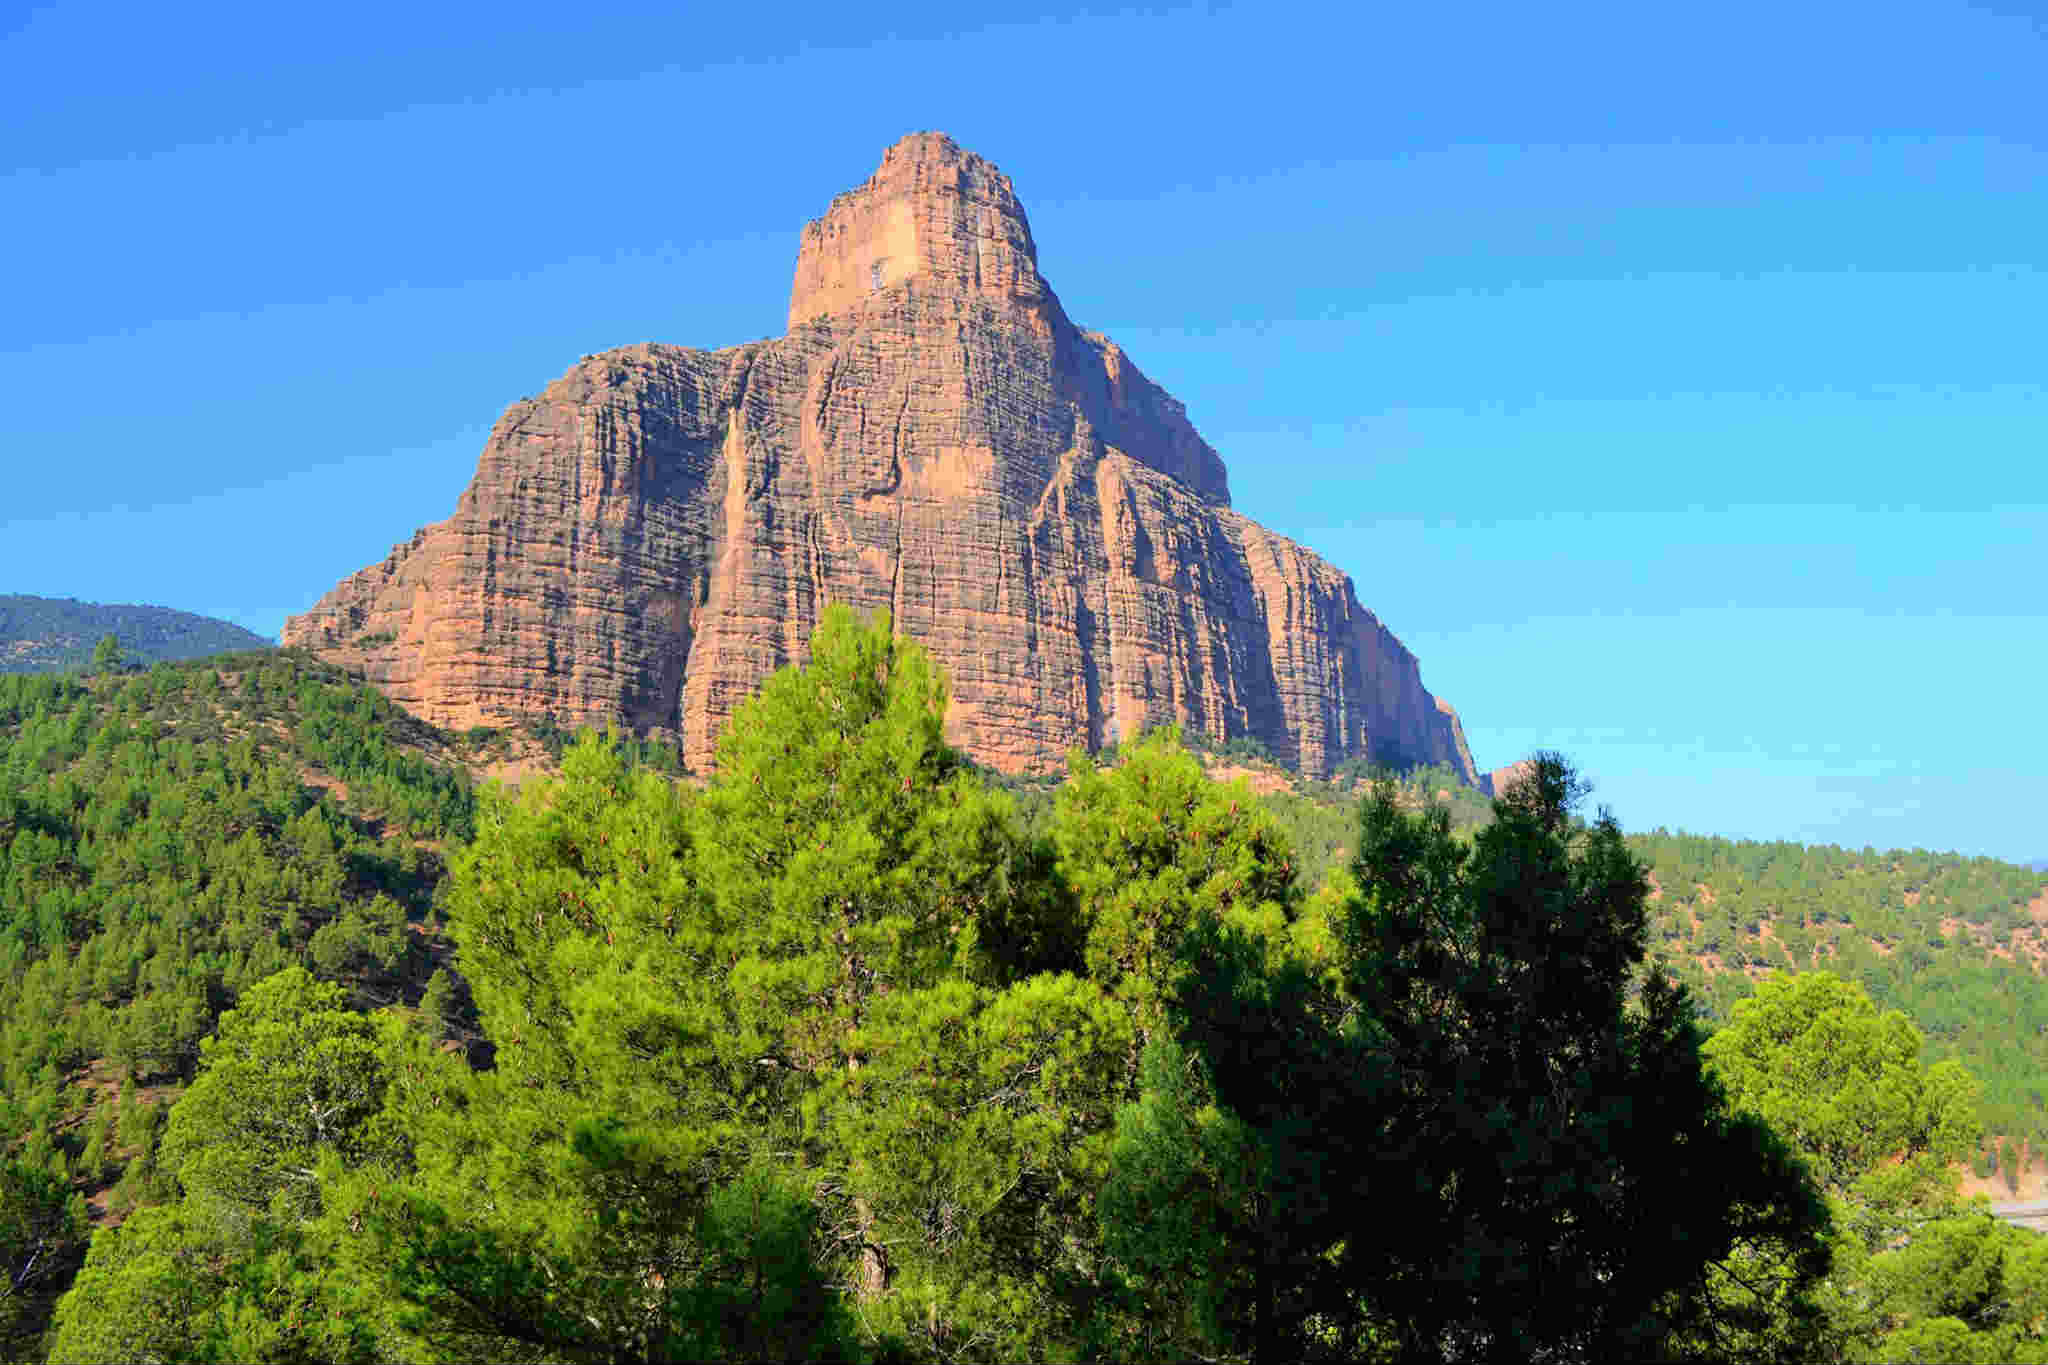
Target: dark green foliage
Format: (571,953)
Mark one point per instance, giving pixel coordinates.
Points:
(42,1239)
(60,635)
(758,1295)
(1322,817)
(643,751)
(1551,1168)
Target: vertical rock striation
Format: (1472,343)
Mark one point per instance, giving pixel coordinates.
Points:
(658,531)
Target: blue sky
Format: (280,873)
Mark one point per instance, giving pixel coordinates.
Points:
(1670,380)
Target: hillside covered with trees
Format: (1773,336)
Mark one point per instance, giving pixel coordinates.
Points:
(1959,944)
(312,1052)
(167,840)
(59,634)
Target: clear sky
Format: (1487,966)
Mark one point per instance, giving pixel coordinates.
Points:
(1670,379)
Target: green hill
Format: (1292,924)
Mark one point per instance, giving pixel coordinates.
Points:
(171,836)
(168,838)
(57,635)
(1959,944)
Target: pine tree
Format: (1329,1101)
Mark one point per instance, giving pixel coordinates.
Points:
(437,1007)
(1467,1130)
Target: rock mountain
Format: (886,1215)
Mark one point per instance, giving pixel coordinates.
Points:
(658,531)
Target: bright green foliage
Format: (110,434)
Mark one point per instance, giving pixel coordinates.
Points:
(847,849)
(236,1270)
(659,1270)
(856,1053)
(1812,1056)
(151,867)
(1917,1269)
(162,850)
(439,1008)
(862,880)
(106,655)
(1181,1211)
(1916,930)
(545,1188)
(1166,868)
(576,891)
(1151,850)
(144,1294)
(163,1286)
(974,1135)
(682,991)
(290,1074)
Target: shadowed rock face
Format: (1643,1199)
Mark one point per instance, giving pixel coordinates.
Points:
(657,532)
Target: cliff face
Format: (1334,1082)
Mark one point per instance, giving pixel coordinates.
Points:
(658,531)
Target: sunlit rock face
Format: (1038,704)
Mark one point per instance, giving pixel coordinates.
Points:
(659,530)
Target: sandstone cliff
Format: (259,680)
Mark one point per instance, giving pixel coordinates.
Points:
(1497,782)
(657,532)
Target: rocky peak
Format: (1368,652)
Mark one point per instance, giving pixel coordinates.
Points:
(656,532)
(933,213)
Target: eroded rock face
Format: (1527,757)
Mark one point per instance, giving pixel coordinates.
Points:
(1497,782)
(659,530)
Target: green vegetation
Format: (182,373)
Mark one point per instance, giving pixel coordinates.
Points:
(853,1053)
(1918,1274)
(168,840)
(59,635)
(1952,942)
(659,755)
(1958,944)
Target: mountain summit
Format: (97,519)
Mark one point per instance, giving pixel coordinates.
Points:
(659,530)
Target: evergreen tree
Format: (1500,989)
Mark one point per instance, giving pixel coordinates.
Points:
(290,1074)
(1916,1267)
(106,655)
(1493,1147)
(438,1005)
(684,994)
(42,1237)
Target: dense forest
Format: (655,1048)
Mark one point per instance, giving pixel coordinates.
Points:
(313,1053)
(59,634)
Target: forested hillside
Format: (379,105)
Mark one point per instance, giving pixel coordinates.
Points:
(168,839)
(1959,944)
(313,1053)
(59,635)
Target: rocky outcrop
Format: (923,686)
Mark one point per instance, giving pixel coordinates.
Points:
(1497,782)
(658,531)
